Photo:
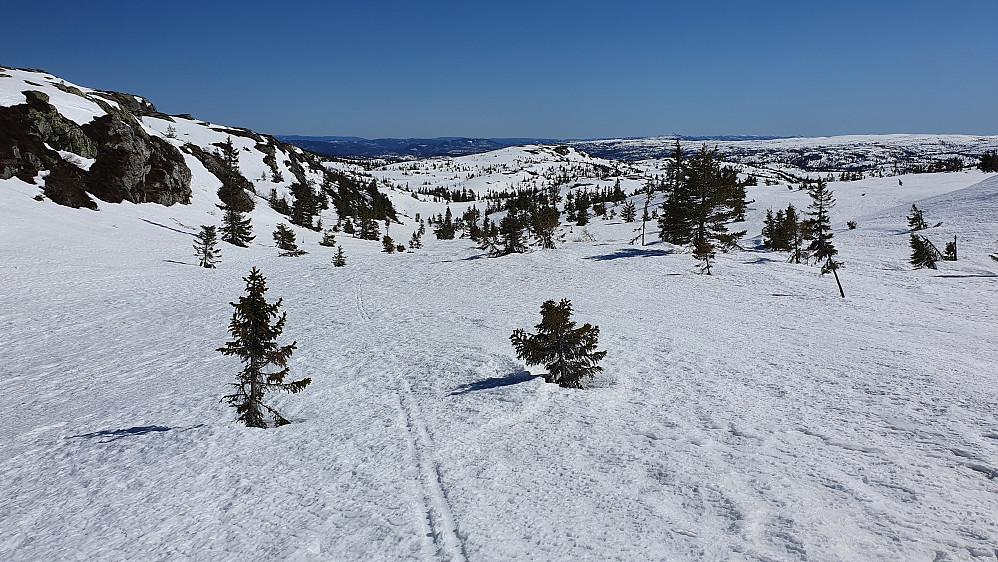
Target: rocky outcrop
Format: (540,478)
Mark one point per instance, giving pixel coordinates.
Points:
(235,188)
(127,163)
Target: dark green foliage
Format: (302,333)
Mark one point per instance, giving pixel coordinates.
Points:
(279,204)
(544,221)
(348,227)
(328,239)
(234,184)
(369,229)
(778,231)
(851,225)
(629,213)
(340,259)
(950,253)
(285,239)
(702,197)
(511,235)
(306,205)
(922,252)
(445,229)
(254,341)
(915,220)
(387,244)
(568,353)
(416,241)
(821,248)
(205,246)
(235,229)
(989,161)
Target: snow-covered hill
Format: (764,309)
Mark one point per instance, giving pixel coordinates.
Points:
(749,415)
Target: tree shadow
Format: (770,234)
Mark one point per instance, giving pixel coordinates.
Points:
(630,253)
(115,434)
(494,382)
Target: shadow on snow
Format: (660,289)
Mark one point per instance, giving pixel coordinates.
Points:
(630,253)
(494,382)
(115,434)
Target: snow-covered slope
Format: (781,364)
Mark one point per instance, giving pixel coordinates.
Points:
(752,414)
(749,415)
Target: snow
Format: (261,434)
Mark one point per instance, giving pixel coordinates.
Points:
(752,414)
(749,415)
(75,108)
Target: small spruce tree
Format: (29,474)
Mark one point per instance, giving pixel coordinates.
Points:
(387,244)
(568,353)
(340,259)
(285,239)
(922,253)
(235,229)
(205,246)
(821,247)
(916,221)
(328,239)
(629,213)
(254,341)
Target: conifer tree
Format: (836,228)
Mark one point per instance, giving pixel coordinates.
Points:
(568,353)
(415,242)
(254,341)
(674,220)
(340,259)
(205,246)
(511,238)
(235,229)
(387,244)
(445,229)
(328,239)
(949,254)
(285,239)
(369,229)
(544,220)
(348,227)
(922,254)
(916,221)
(306,204)
(821,248)
(629,213)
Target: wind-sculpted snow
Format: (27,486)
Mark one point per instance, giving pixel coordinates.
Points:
(749,415)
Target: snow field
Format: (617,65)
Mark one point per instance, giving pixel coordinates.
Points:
(750,415)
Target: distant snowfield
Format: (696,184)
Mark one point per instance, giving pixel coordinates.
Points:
(749,415)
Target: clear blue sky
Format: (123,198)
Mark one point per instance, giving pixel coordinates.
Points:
(511,68)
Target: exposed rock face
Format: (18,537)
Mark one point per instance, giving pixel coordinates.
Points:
(235,188)
(129,164)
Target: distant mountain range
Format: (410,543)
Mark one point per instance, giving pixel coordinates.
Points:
(406,149)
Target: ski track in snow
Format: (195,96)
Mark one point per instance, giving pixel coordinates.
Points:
(751,415)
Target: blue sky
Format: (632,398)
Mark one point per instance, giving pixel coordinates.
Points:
(532,69)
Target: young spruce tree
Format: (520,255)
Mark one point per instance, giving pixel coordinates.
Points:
(285,239)
(254,341)
(235,229)
(922,253)
(916,221)
(821,247)
(568,353)
(340,259)
(205,246)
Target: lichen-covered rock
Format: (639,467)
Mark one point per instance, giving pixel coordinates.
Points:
(129,165)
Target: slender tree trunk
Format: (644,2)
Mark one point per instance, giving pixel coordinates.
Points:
(836,274)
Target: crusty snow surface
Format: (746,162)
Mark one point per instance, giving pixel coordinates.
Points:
(750,415)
